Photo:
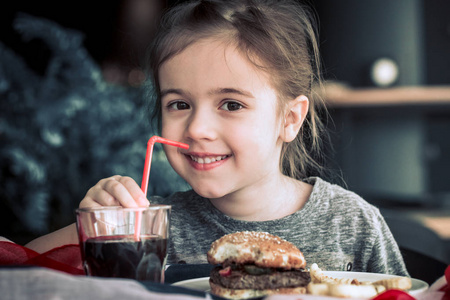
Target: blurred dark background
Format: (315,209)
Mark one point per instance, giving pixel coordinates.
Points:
(73,107)
(403,146)
(72,112)
(415,34)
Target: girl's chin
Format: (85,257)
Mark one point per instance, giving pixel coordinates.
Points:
(207,193)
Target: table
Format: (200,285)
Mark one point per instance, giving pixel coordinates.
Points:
(23,282)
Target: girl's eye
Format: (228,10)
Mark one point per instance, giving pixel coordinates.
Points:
(231,106)
(178,105)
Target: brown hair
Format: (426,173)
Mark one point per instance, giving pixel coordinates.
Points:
(277,36)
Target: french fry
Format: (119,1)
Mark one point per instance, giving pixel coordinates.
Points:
(356,291)
(400,283)
(317,276)
(318,289)
(347,287)
(344,290)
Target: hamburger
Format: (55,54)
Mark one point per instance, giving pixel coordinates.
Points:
(253,264)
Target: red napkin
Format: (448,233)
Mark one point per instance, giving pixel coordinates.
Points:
(446,287)
(394,295)
(440,289)
(66,258)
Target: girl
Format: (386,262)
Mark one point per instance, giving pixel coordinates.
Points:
(235,80)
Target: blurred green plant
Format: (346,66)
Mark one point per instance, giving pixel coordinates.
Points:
(63,128)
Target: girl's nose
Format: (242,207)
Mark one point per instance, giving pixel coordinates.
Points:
(201,126)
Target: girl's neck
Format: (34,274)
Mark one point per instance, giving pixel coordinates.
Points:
(267,200)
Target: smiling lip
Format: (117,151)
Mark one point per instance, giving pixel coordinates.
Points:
(205,162)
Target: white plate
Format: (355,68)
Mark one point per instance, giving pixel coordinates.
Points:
(199,284)
(418,286)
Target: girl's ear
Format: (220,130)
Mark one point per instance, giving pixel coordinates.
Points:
(294,117)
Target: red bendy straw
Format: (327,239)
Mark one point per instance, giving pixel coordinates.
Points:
(144,185)
(148,157)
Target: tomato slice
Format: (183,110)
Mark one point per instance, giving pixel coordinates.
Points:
(225,272)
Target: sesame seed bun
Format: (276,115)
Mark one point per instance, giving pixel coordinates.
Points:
(259,248)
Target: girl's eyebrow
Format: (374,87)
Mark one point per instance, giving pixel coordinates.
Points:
(171,91)
(217,91)
(231,91)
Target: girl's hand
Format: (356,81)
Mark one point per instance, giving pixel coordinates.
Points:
(113,191)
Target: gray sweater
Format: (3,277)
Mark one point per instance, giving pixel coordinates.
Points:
(336,229)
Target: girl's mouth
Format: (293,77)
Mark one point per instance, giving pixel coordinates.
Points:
(206,162)
(207,159)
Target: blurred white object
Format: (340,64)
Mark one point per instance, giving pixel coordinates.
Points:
(3,239)
(384,72)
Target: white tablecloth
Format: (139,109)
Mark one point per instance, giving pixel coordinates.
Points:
(46,284)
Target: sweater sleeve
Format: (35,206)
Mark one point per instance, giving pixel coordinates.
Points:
(386,257)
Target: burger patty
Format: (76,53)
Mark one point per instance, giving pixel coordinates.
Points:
(240,279)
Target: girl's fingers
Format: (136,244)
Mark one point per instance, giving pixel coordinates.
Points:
(89,202)
(119,192)
(134,190)
(97,196)
(113,191)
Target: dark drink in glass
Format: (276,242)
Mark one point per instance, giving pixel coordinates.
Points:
(124,242)
(121,256)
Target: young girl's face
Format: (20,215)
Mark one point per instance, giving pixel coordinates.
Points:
(216,101)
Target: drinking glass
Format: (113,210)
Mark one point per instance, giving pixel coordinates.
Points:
(124,242)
